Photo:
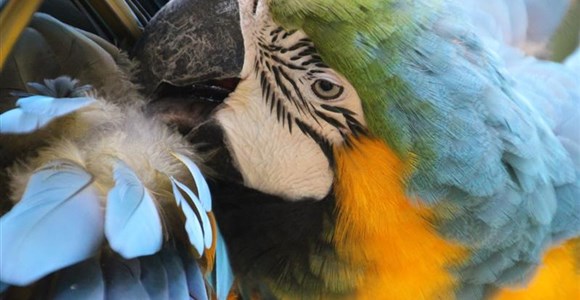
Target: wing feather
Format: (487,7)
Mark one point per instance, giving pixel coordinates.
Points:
(35,112)
(58,222)
(206,225)
(132,223)
(176,274)
(123,279)
(224,274)
(81,281)
(192,225)
(154,277)
(202,187)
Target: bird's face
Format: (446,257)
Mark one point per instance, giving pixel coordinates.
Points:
(276,136)
(288,112)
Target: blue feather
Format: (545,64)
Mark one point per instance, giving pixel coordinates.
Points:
(192,225)
(176,274)
(223,269)
(518,274)
(57,223)
(542,205)
(206,225)
(132,223)
(195,280)
(202,187)
(81,281)
(566,221)
(123,279)
(154,277)
(3,287)
(35,112)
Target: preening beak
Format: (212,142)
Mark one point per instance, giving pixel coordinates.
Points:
(191,55)
(191,41)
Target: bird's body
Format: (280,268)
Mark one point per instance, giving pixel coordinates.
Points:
(390,149)
(442,166)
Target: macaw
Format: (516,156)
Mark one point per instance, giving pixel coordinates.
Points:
(399,150)
(388,149)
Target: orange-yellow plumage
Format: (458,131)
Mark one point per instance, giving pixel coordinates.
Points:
(390,236)
(380,228)
(558,277)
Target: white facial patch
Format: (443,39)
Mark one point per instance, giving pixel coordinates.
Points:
(269,157)
(288,107)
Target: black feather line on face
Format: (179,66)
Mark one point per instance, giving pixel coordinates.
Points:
(269,59)
(322,142)
(353,124)
(330,120)
(289,117)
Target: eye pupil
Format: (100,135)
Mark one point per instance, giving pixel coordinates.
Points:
(326,85)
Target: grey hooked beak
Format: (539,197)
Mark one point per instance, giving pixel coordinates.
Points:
(191,41)
(191,54)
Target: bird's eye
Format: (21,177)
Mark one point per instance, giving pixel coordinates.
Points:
(326,90)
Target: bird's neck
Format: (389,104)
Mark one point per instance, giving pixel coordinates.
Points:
(379,227)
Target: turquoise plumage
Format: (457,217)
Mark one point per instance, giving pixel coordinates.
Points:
(520,193)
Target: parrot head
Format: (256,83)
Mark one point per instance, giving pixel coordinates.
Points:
(288,111)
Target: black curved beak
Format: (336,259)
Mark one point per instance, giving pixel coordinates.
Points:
(191,41)
(191,54)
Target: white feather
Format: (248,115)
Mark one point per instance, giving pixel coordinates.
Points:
(58,222)
(206,226)
(132,223)
(201,184)
(192,225)
(526,25)
(35,112)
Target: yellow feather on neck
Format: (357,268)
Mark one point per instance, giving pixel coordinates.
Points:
(380,229)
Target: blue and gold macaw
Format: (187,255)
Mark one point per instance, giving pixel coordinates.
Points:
(365,149)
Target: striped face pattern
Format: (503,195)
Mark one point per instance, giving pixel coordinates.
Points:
(297,86)
(289,111)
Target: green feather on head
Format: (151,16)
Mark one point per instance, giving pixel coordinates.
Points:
(363,40)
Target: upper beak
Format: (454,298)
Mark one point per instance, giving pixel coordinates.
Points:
(191,41)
